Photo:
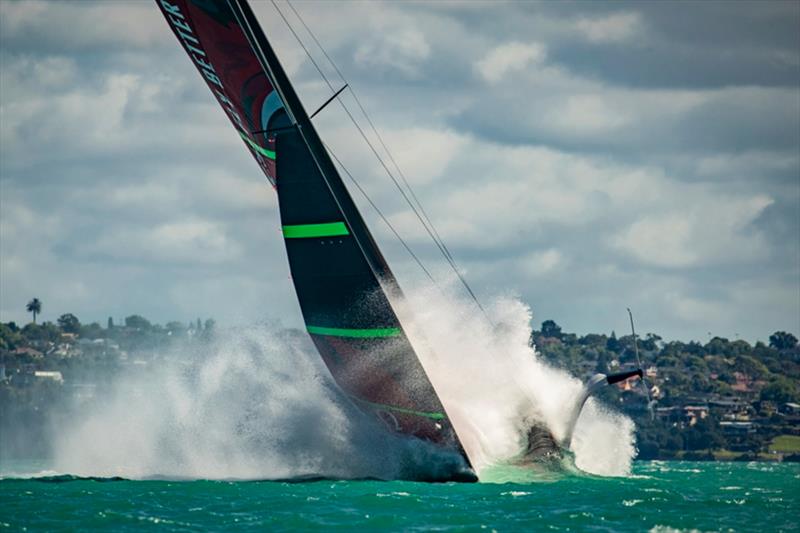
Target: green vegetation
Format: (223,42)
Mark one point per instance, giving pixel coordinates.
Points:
(45,369)
(35,307)
(785,444)
(723,399)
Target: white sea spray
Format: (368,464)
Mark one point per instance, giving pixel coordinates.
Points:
(493,384)
(255,404)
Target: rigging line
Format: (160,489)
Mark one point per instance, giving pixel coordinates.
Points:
(297,37)
(349,114)
(380,213)
(445,253)
(302,45)
(435,237)
(389,225)
(303,22)
(372,126)
(400,172)
(414,209)
(355,123)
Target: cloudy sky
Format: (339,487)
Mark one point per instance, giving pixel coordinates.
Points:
(584,156)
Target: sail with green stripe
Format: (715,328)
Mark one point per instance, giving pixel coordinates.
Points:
(340,276)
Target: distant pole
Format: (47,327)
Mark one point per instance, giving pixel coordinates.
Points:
(639,362)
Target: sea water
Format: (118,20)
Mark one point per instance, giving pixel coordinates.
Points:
(190,443)
(656,496)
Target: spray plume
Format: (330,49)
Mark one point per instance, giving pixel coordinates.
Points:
(257,403)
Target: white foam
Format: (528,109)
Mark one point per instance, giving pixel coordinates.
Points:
(493,384)
(258,405)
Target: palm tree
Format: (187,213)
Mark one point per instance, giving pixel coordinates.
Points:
(35,307)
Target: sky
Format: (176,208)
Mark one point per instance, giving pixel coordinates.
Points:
(584,157)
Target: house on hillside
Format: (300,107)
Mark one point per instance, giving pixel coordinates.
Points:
(49,375)
(32,352)
(737,428)
(723,407)
(693,413)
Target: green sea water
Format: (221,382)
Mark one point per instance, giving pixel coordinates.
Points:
(658,496)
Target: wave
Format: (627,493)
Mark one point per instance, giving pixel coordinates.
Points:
(67,478)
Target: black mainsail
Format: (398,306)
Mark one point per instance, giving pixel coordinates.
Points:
(340,276)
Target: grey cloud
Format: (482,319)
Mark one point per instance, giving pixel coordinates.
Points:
(112,194)
(688,45)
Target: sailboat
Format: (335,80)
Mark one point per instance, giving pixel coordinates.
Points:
(342,280)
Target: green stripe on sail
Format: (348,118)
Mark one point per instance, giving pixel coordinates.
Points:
(303,231)
(263,151)
(361,333)
(432,416)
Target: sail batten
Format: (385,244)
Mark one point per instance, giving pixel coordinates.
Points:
(432,416)
(304,231)
(359,333)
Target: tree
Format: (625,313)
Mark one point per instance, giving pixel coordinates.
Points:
(648,450)
(697,364)
(602,362)
(718,346)
(9,336)
(781,390)
(780,340)
(594,340)
(137,322)
(208,329)
(35,307)
(92,331)
(649,343)
(671,441)
(704,435)
(69,323)
(667,361)
(570,339)
(175,328)
(551,329)
(612,344)
(44,332)
(750,366)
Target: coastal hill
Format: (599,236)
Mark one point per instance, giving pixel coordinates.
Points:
(719,400)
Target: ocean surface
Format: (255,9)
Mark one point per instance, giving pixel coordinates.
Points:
(658,496)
